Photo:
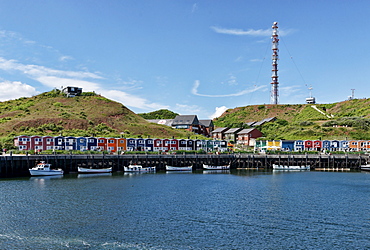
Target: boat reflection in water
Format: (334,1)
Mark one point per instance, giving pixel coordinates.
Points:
(205,171)
(94,175)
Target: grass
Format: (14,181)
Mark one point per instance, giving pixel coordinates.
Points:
(351,120)
(52,113)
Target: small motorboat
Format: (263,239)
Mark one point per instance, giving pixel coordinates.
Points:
(365,167)
(215,167)
(94,170)
(285,167)
(173,168)
(139,168)
(44,169)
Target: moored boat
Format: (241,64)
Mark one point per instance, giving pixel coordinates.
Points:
(365,167)
(139,168)
(94,170)
(216,167)
(285,167)
(44,169)
(173,168)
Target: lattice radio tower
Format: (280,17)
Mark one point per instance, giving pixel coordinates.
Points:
(275,58)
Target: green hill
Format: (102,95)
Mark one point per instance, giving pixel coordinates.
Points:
(348,119)
(52,113)
(159,114)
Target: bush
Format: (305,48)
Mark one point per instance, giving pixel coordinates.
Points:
(282,122)
(57,104)
(88,94)
(306,123)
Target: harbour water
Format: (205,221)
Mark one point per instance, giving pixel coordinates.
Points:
(241,209)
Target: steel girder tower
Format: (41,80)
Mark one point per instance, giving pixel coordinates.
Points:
(275,58)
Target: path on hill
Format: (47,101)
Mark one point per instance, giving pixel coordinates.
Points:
(322,112)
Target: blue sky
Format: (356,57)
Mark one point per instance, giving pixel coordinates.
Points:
(191,57)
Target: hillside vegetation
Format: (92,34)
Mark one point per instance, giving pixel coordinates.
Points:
(52,113)
(159,114)
(342,120)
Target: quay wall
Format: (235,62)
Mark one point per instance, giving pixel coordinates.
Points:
(18,165)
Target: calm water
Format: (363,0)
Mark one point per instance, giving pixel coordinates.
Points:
(236,210)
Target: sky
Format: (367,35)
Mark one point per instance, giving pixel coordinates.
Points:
(191,57)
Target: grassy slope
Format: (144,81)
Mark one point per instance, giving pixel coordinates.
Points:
(303,122)
(53,114)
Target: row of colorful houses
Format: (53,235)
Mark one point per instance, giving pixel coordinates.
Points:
(41,143)
(314,145)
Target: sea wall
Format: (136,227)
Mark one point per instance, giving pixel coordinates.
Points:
(18,165)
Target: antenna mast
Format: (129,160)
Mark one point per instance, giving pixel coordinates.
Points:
(275,58)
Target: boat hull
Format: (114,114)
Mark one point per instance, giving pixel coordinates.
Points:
(172,168)
(211,167)
(365,167)
(94,171)
(139,168)
(283,167)
(44,169)
(45,172)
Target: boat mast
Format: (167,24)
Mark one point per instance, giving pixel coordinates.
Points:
(275,58)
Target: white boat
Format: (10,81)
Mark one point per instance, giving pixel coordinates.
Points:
(172,168)
(94,170)
(284,167)
(215,167)
(44,169)
(139,168)
(365,167)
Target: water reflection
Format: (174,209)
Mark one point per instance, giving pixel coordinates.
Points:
(216,171)
(94,175)
(41,181)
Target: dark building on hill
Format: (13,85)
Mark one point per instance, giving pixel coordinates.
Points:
(189,123)
(247,137)
(219,133)
(232,134)
(207,127)
(72,91)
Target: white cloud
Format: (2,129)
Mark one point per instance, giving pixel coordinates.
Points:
(131,100)
(194,8)
(239,59)
(256,60)
(161,80)
(232,80)
(35,71)
(65,58)
(57,78)
(194,91)
(13,90)
(131,84)
(250,32)
(187,109)
(289,90)
(219,111)
(58,82)
(240,32)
